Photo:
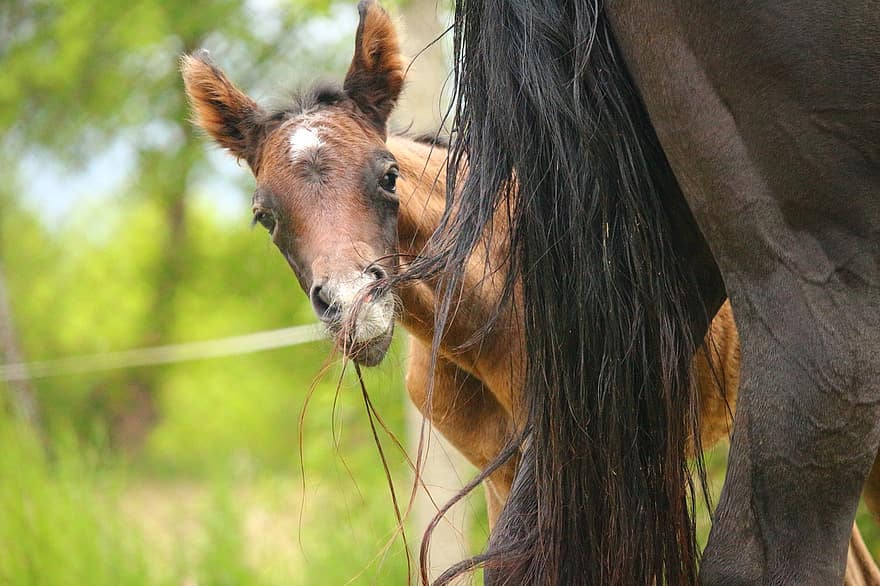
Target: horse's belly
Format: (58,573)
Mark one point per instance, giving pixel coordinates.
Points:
(771,122)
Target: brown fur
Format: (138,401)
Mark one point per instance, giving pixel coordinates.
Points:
(473,403)
(375,78)
(219,108)
(716,372)
(474,399)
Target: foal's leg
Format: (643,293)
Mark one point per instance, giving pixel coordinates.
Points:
(860,562)
(716,373)
(871,493)
(467,414)
(861,570)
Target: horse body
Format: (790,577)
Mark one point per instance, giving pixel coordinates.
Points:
(470,391)
(770,118)
(495,359)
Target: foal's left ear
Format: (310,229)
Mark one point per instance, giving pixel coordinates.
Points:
(222,110)
(375,77)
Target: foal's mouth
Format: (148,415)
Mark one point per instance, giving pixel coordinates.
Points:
(370,352)
(366,336)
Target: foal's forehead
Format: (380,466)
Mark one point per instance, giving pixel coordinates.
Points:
(319,148)
(324,136)
(305,136)
(332,127)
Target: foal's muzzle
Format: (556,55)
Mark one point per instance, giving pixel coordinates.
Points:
(362,324)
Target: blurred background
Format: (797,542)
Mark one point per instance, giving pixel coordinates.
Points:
(121,228)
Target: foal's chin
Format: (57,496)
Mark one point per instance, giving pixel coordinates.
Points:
(371,352)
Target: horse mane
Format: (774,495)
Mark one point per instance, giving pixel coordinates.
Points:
(557,143)
(432,139)
(315,97)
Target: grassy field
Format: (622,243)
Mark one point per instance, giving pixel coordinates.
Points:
(78,514)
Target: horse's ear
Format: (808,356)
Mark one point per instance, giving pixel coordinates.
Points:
(219,108)
(375,77)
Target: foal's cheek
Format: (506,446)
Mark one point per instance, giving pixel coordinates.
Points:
(300,269)
(388,222)
(304,280)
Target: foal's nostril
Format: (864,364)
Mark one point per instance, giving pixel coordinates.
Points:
(323,305)
(376,271)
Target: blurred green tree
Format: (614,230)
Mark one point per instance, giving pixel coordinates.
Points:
(82,78)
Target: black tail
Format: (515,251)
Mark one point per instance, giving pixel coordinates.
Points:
(612,313)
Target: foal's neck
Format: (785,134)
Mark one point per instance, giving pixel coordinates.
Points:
(422,192)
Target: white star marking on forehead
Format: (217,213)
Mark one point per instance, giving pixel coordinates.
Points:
(302,140)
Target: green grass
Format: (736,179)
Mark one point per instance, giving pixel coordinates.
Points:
(73,519)
(79,515)
(189,512)
(58,523)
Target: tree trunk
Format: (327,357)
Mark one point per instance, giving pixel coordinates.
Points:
(424,102)
(21,392)
(165,175)
(421,109)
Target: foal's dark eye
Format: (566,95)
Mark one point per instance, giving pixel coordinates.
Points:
(266,219)
(389,181)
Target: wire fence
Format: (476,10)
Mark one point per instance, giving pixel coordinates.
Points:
(172,353)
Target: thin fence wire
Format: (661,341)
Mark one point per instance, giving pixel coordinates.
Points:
(173,353)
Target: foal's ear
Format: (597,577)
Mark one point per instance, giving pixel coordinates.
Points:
(375,77)
(219,108)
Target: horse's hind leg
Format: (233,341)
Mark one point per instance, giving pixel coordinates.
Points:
(783,183)
(723,349)
(716,407)
(805,437)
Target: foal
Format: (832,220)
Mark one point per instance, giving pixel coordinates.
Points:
(343,205)
(343,202)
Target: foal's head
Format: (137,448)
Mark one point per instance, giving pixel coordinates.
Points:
(325,179)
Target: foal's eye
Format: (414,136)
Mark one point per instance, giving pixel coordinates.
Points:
(389,181)
(266,219)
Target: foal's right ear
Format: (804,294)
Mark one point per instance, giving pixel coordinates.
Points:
(219,108)
(375,78)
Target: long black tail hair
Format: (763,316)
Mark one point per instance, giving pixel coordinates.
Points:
(551,136)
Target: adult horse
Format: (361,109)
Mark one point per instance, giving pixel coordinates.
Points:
(668,155)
